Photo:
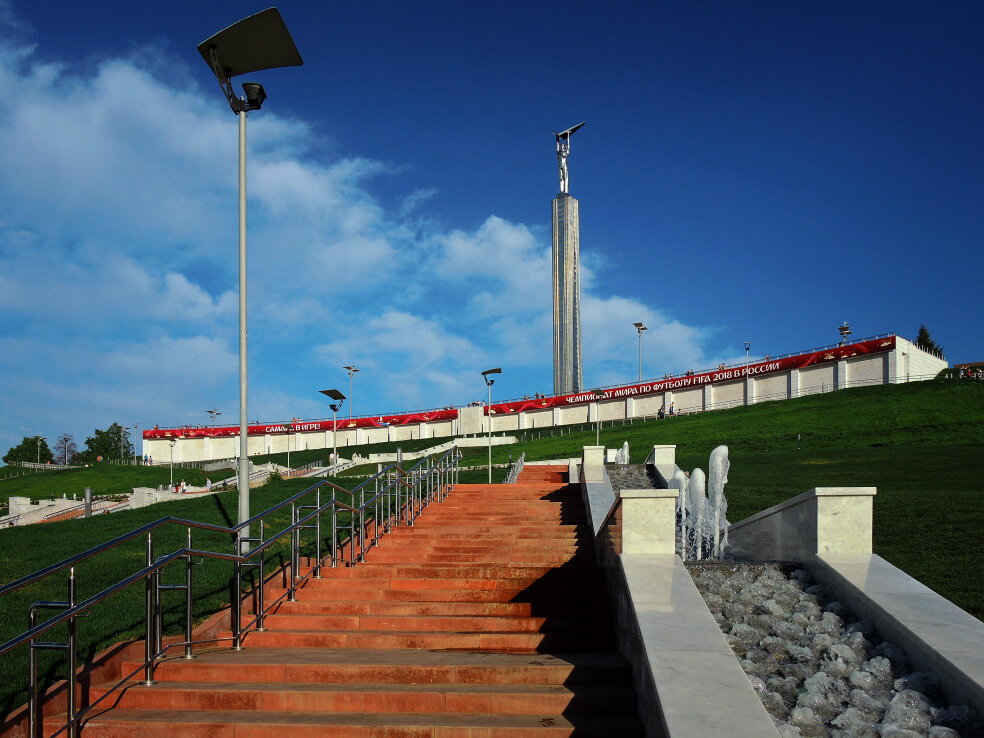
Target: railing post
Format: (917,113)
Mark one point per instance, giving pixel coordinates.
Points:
(34,719)
(237,601)
(292,596)
(260,607)
(189,602)
(334,528)
(362,524)
(317,532)
(73,728)
(158,614)
(149,654)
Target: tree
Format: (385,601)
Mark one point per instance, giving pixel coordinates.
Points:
(66,448)
(32,448)
(111,443)
(924,340)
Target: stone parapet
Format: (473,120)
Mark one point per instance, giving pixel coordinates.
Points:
(825,520)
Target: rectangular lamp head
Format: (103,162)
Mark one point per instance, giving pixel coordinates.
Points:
(333,394)
(258,42)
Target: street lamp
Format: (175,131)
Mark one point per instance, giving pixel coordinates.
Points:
(599,394)
(489,382)
(135,426)
(211,416)
(39,439)
(748,345)
(640,327)
(351,372)
(845,331)
(258,42)
(339,398)
(174,441)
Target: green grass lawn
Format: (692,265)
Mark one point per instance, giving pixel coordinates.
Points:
(103,477)
(300,458)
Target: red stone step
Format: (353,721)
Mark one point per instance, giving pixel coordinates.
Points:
(379,666)
(352,594)
(502,699)
(433,623)
(542,608)
(123,723)
(508,642)
(488,617)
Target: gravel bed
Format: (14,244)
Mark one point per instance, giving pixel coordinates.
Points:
(818,670)
(632,476)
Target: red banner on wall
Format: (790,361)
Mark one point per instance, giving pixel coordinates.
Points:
(759,369)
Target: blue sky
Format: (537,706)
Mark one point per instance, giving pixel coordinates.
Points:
(748,170)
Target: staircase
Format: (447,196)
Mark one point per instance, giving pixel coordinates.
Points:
(486,618)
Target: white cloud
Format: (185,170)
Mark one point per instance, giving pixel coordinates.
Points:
(118,242)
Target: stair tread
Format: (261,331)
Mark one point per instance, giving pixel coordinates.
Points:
(408,657)
(385,687)
(367,719)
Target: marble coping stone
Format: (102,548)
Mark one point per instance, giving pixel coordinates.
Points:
(699,685)
(834,520)
(808,495)
(936,634)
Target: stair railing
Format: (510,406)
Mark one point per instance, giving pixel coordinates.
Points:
(402,495)
(516,469)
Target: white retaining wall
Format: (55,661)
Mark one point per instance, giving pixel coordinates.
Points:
(903,363)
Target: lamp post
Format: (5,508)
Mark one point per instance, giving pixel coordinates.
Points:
(212,415)
(135,426)
(172,461)
(845,331)
(339,398)
(640,327)
(748,345)
(598,396)
(351,372)
(489,382)
(39,439)
(258,42)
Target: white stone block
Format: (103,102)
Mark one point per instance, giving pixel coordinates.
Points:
(648,519)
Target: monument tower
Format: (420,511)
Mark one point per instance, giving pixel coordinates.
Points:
(566,279)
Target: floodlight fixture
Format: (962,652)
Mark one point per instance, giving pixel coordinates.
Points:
(339,398)
(258,42)
(845,331)
(212,414)
(255,95)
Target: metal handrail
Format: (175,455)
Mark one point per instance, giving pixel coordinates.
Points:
(445,468)
(516,469)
